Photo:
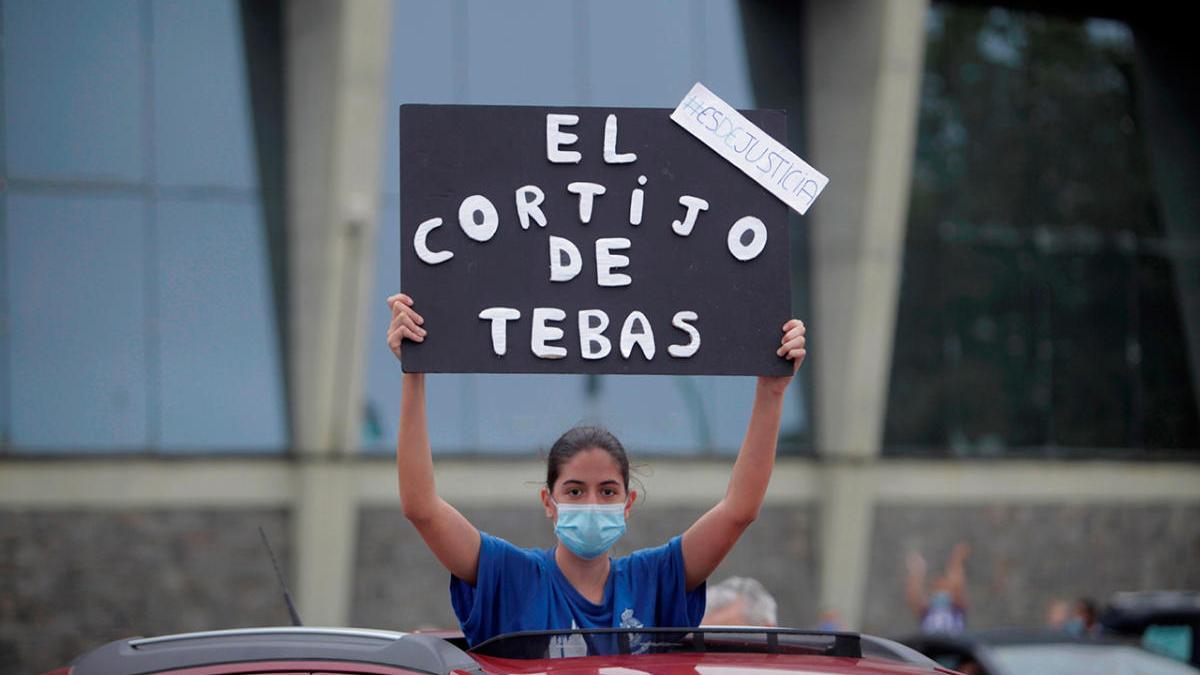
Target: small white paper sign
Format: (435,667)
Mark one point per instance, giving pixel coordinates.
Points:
(722,128)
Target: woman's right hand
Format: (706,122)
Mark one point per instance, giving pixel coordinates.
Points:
(406,323)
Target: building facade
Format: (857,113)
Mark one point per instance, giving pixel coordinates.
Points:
(199,220)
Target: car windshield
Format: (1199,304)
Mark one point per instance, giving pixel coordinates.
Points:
(611,641)
(1085,659)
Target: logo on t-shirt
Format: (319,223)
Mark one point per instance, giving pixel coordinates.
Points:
(638,642)
(567,646)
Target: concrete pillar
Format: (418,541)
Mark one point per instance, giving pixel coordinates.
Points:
(847,503)
(336,64)
(863,60)
(324,523)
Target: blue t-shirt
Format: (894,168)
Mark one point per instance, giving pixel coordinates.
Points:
(944,618)
(519,589)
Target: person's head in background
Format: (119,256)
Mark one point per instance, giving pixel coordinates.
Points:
(1058,612)
(1083,618)
(740,601)
(830,619)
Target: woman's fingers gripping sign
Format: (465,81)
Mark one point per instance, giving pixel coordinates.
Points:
(406,323)
(791,345)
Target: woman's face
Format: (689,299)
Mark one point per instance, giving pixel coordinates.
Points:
(592,476)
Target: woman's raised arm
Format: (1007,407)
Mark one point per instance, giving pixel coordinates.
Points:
(451,537)
(709,539)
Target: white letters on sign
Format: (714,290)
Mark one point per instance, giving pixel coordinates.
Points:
(560,248)
(694,206)
(607,261)
(643,337)
(556,137)
(749,148)
(758,238)
(500,316)
(680,321)
(592,343)
(636,332)
(527,207)
(427,256)
(586,191)
(542,333)
(636,199)
(479,230)
(610,144)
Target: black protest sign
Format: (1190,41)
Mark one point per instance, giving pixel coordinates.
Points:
(587,240)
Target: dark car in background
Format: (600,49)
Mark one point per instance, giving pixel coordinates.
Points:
(1042,652)
(1167,622)
(362,652)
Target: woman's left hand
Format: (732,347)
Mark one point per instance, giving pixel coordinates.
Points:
(791,347)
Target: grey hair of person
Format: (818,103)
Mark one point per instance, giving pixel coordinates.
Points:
(760,608)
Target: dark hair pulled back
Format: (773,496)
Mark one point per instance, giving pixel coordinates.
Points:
(577,440)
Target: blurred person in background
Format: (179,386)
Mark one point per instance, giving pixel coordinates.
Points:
(1058,611)
(830,619)
(1083,618)
(942,607)
(740,601)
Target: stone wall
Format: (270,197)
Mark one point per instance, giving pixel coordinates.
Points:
(72,580)
(1025,556)
(400,585)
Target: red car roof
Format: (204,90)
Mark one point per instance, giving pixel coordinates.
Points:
(325,650)
(690,664)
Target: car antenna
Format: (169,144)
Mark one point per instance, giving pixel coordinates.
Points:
(287,597)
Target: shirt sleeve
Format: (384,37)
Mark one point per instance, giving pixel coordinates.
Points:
(675,605)
(506,576)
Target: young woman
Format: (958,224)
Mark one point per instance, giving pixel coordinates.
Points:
(498,588)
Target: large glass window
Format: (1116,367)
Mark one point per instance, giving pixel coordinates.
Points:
(1039,310)
(624,53)
(78,344)
(134,293)
(73,84)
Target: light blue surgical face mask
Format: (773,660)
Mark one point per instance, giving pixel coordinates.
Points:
(940,600)
(589,529)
